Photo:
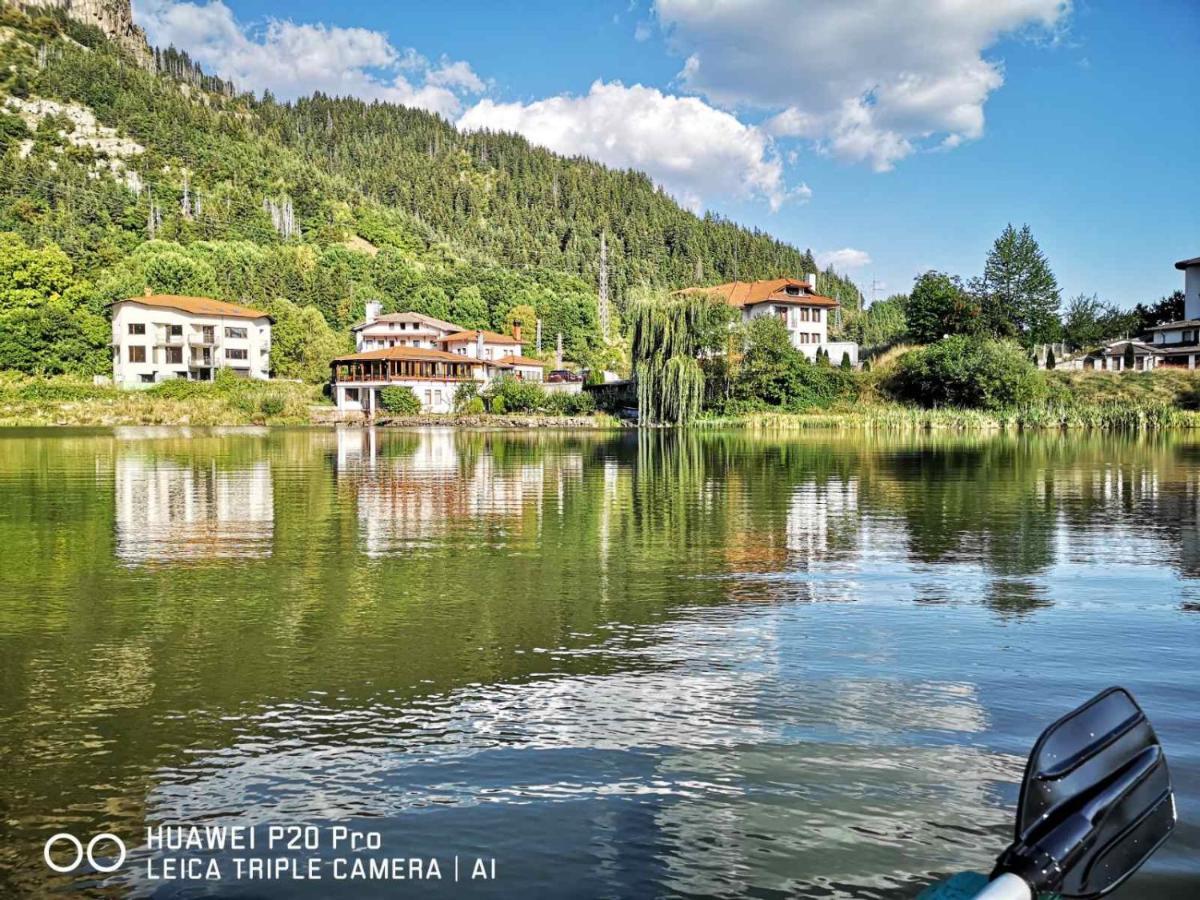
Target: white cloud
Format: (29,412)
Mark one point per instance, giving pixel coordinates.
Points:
(867,80)
(844,259)
(292,60)
(687,146)
(642,32)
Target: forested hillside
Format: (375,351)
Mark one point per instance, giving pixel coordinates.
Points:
(171,180)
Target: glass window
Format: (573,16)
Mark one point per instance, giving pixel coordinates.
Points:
(176,330)
(236,354)
(235,332)
(137,354)
(137,327)
(174,356)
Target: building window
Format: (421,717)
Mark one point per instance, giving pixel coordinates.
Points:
(236,354)
(137,327)
(239,333)
(137,354)
(174,356)
(147,378)
(176,330)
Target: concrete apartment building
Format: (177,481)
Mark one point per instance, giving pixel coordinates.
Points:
(162,337)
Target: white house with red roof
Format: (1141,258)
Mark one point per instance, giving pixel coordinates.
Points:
(803,312)
(401,329)
(160,337)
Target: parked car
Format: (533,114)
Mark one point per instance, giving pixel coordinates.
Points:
(558,376)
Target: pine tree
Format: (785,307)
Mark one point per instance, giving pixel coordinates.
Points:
(1020,295)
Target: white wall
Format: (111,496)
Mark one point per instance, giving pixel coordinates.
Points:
(490,350)
(435,396)
(379,335)
(1191,293)
(807,336)
(157,322)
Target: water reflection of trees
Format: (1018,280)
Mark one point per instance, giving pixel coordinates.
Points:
(403,565)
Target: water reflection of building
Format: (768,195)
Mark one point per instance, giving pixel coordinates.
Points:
(822,518)
(168,510)
(412,486)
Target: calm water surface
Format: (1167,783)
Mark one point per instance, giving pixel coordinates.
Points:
(625,666)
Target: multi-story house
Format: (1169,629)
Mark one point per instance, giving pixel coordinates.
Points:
(161,337)
(404,329)
(804,313)
(1178,343)
(425,354)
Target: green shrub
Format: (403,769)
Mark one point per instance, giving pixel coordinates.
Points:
(518,396)
(400,401)
(474,407)
(558,404)
(272,405)
(180,389)
(581,404)
(498,406)
(465,395)
(967,371)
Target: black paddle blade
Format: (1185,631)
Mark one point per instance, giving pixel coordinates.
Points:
(1096,801)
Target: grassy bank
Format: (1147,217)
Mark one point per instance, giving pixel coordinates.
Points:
(228,401)
(894,417)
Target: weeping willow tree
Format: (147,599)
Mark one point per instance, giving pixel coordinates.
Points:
(670,333)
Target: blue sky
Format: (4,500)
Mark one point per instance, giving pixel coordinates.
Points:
(904,134)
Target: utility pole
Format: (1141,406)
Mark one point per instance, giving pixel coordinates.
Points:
(539,335)
(603,308)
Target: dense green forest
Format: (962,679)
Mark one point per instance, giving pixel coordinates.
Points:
(183,185)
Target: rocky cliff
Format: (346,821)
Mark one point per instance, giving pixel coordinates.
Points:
(113,17)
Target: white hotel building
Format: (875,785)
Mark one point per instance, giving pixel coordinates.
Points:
(163,337)
(430,356)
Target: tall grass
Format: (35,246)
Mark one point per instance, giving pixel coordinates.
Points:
(893,417)
(227,401)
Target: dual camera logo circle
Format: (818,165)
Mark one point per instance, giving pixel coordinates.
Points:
(80,852)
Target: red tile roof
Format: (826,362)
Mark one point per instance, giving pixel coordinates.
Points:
(489,337)
(198,306)
(524,361)
(774,290)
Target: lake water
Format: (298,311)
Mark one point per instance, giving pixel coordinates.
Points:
(634,665)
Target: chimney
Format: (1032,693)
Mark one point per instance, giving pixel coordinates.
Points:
(517,332)
(374,308)
(479,344)
(812,281)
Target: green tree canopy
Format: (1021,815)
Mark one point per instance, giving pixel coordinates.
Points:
(939,305)
(302,342)
(1020,295)
(1089,322)
(468,308)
